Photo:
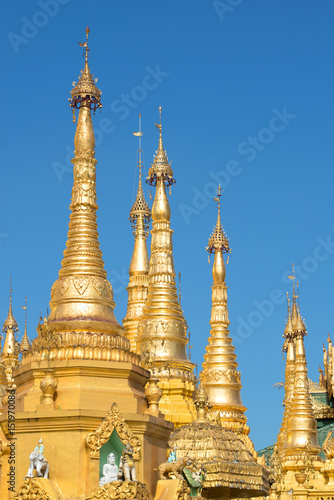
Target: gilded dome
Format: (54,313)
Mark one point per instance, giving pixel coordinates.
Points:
(232,471)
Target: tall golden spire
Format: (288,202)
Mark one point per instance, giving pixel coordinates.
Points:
(140,215)
(82,297)
(220,376)
(289,348)
(162,330)
(10,351)
(301,428)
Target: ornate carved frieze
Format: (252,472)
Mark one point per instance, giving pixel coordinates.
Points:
(121,489)
(82,345)
(30,489)
(81,283)
(216,374)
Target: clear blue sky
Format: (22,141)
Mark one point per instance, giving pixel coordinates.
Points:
(247,95)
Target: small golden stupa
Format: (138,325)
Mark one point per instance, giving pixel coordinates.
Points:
(232,471)
(296,467)
(162,330)
(140,216)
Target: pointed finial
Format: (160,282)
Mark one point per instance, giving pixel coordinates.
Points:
(218,239)
(140,208)
(85,92)
(10,321)
(160,167)
(25,312)
(293,278)
(294,313)
(25,343)
(201,401)
(288,330)
(85,45)
(159,126)
(300,325)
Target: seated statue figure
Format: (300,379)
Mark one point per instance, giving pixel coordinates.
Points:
(127,464)
(38,462)
(110,471)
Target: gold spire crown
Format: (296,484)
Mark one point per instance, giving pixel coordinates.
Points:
(140,208)
(160,166)
(25,343)
(297,322)
(10,322)
(201,401)
(85,91)
(300,325)
(288,330)
(218,239)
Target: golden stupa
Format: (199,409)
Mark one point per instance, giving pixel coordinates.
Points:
(296,465)
(231,469)
(162,330)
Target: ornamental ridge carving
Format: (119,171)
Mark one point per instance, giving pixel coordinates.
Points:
(300,384)
(30,489)
(81,284)
(323,498)
(110,290)
(113,420)
(215,374)
(121,489)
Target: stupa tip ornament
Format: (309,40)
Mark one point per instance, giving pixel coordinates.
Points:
(25,342)
(160,167)
(201,401)
(288,330)
(297,322)
(140,208)
(10,322)
(85,91)
(10,348)
(218,239)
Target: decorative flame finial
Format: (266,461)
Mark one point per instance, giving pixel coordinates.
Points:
(10,321)
(85,45)
(288,330)
(201,401)
(85,92)
(218,239)
(160,167)
(140,208)
(296,323)
(293,278)
(296,319)
(159,127)
(25,344)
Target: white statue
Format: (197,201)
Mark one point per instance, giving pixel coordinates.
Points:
(110,470)
(38,462)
